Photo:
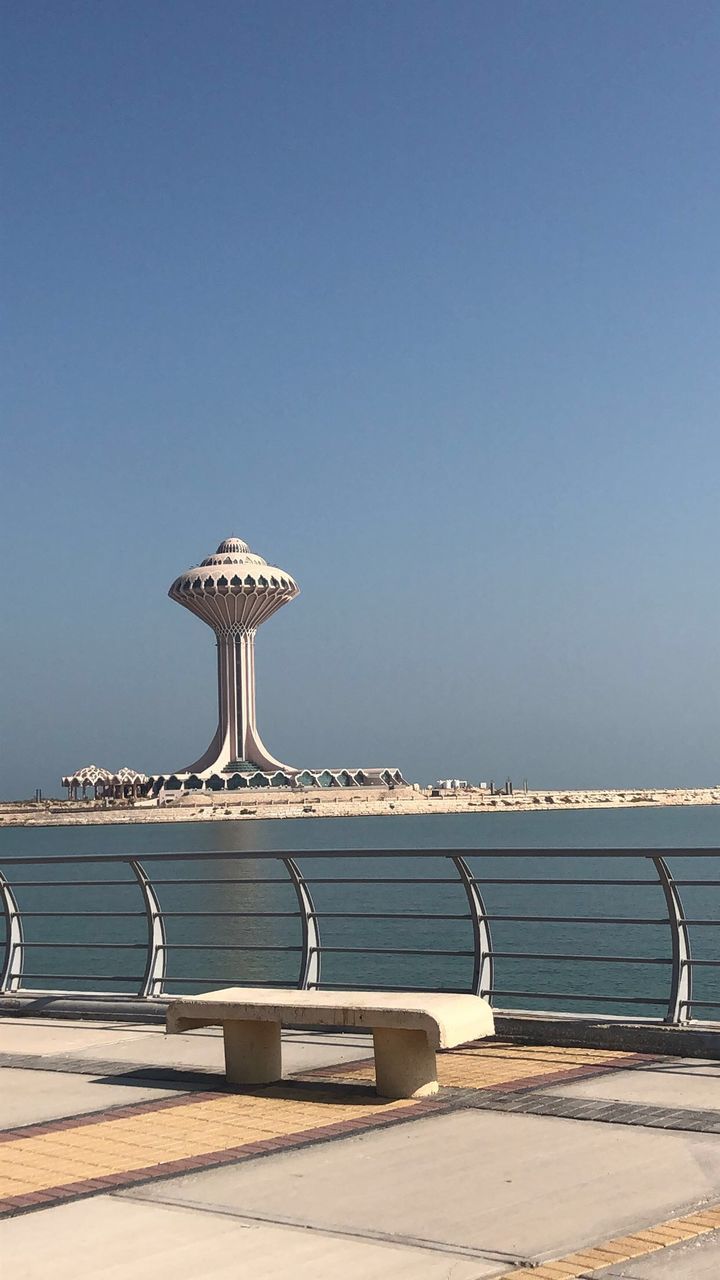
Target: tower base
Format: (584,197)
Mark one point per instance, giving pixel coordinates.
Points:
(241,775)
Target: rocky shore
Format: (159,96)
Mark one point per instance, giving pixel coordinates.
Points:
(214,808)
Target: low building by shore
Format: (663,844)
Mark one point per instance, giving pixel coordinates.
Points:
(407,800)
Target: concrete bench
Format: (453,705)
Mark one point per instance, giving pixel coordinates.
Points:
(407,1029)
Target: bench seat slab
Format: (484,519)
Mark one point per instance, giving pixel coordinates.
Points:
(447,1019)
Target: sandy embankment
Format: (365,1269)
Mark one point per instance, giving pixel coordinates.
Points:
(233,808)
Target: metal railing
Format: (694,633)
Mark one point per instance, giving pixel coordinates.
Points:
(441,919)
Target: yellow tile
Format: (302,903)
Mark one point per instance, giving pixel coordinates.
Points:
(676,1231)
(654,1237)
(562,1267)
(704,1221)
(126,1143)
(591,1259)
(496,1064)
(550,1271)
(626,1247)
(28,1169)
(15,1188)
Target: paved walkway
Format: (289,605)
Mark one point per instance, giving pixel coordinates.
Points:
(531,1161)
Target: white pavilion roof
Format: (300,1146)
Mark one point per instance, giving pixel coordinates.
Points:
(90,774)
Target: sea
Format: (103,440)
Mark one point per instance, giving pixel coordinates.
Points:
(590,937)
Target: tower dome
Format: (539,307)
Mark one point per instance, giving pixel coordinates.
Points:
(232,545)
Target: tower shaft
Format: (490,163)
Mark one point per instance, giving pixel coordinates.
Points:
(237,739)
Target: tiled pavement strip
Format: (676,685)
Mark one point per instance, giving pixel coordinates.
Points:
(46,1164)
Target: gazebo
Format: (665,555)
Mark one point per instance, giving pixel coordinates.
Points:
(126,784)
(91,775)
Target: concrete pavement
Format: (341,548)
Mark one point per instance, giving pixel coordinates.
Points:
(124,1155)
(123,1240)
(474,1180)
(30,1097)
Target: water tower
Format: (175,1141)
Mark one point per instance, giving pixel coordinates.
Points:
(234,591)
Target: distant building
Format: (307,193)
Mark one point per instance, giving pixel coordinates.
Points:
(233,591)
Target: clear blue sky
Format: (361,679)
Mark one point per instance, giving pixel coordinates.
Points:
(419,298)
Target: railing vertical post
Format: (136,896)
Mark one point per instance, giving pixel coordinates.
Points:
(156,964)
(482,981)
(679,1006)
(309,975)
(12,968)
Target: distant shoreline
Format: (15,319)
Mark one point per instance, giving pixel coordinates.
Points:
(399,803)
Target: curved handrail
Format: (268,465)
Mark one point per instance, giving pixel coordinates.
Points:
(12,968)
(483,978)
(153,981)
(393,867)
(309,975)
(680,999)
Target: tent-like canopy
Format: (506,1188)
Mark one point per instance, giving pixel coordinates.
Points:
(125,784)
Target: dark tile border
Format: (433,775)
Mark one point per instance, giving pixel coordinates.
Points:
(138,1072)
(599,1110)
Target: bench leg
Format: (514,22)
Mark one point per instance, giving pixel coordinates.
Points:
(252,1052)
(405,1065)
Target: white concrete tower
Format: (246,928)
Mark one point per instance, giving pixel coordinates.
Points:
(234,591)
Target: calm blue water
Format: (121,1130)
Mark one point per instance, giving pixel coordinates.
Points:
(212,949)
